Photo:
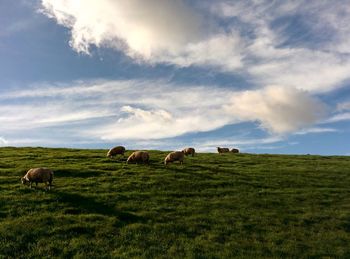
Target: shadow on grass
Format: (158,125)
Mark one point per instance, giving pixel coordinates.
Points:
(2,210)
(79,204)
(214,168)
(76,173)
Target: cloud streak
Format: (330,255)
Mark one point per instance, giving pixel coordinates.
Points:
(3,142)
(132,109)
(316,130)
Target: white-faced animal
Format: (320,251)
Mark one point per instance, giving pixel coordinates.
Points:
(138,157)
(189,151)
(38,175)
(119,150)
(222,150)
(235,150)
(174,156)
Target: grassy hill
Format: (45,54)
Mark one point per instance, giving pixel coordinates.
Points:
(213,206)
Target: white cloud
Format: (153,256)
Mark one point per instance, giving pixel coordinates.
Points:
(39,114)
(3,141)
(154,31)
(110,110)
(304,69)
(335,18)
(160,123)
(344,106)
(144,27)
(221,50)
(138,109)
(170,31)
(310,65)
(48,141)
(315,130)
(345,116)
(278,109)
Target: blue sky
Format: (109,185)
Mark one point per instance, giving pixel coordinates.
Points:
(263,76)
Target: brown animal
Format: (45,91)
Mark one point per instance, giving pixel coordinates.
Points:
(38,175)
(235,150)
(222,150)
(189,151)
(138,156)
(119,150)
(174,156)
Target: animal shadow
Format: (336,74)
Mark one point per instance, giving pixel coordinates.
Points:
(75,173)
(81,204)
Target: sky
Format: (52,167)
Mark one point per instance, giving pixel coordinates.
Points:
(259,75)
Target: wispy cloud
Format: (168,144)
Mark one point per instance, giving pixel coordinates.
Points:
(287,68)
(3,142)
(311,66)
(134,109)
(343,106)
(342,113)
(162,123)
(138,109)
(249,37)
(315,130)
(345,116)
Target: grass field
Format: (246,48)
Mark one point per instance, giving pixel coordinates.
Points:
(213,206)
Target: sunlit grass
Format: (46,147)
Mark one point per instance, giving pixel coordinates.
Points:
(213,206)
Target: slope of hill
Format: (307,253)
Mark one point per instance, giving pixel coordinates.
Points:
(213,206)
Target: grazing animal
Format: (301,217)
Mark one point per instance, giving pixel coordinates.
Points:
(119,150)
(223,150)
(174,156)
(235,150)
(189,151)
(38,175)
(138,156)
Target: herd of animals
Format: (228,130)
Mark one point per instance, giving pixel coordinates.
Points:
(45,175)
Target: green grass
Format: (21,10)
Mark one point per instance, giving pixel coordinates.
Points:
(213,206)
